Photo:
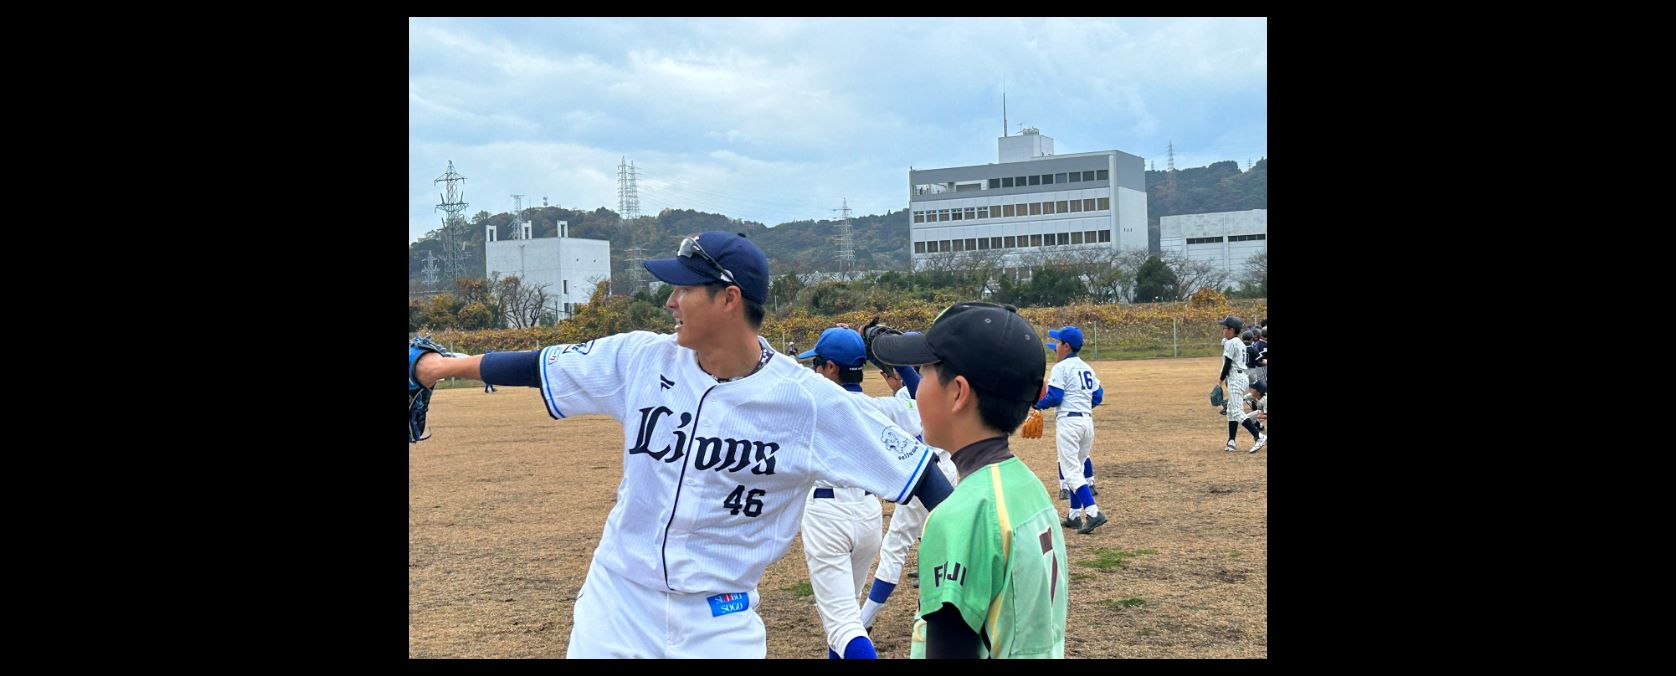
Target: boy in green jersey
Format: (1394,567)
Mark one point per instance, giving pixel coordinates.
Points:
(992,557)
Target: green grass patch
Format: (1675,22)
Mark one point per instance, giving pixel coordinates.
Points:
(1107,559)
(1124,603)
(800,589)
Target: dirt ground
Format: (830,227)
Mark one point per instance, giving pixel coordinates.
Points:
(505,507)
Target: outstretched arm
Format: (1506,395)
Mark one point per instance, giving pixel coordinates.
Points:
(497,368)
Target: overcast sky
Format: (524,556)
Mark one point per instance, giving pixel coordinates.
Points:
(775,120)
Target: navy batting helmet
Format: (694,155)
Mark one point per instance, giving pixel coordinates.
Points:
(1233,322)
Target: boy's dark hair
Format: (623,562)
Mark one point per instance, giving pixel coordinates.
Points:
(753,309)
(845,376)
(995,412)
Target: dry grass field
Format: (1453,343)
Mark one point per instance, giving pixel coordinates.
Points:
(505,507)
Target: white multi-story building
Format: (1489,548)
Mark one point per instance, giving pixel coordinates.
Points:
(1030,202)
(1225,238)
(567,265)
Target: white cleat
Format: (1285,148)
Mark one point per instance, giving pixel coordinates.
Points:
(1230,447)
(1262,439)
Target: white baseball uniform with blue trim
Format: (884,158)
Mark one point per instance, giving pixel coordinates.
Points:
(715,478)
(841,534)
(1073,434)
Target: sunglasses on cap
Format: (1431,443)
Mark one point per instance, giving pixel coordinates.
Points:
(691,249)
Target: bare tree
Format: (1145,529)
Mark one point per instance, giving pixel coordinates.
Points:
(522,304)
(1192,275)
(1257,270)
(981,268)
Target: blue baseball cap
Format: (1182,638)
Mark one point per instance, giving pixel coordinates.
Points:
(1071,335)
(703,259)
(840,345)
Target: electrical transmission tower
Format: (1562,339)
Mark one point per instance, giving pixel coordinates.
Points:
(635,257)
(453,226)
(846,243)
(628,193)
(430,271)
(517,217)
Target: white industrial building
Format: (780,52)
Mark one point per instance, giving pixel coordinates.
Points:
(1030,202)
(567,265)
(1225,238)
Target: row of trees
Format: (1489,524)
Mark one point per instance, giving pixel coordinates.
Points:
(477,303)
(1081,277)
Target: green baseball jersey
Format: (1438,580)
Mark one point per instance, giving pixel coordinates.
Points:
(994,550)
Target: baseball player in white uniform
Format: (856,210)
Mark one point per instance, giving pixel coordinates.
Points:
(907,522)
(1234,384)
(723,441)
(1075,390)
(841,525)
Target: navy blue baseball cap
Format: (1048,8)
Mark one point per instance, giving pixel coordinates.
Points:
(991,345)
(716,256)
(1071,335)
(840,345)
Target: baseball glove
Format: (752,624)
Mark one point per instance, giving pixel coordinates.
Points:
(1216,396)
(418,398)
(870,333)
(1032,428)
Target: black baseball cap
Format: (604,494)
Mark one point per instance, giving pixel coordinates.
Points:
(996,349)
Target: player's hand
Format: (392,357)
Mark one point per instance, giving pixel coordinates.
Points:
(419,393)
(1032,428)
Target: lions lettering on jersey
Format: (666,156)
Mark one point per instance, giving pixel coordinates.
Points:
(737,455)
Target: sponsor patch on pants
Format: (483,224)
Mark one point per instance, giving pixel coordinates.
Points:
(722,604)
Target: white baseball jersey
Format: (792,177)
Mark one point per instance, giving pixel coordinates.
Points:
(1073,375)
(899,410)
(715,474)
(1234,350)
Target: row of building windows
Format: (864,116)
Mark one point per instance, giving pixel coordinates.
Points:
(1048,179)
(1012,210)
(1218,240)
(1013,242)
(1060,178)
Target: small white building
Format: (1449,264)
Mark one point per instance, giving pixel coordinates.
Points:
(567,265)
